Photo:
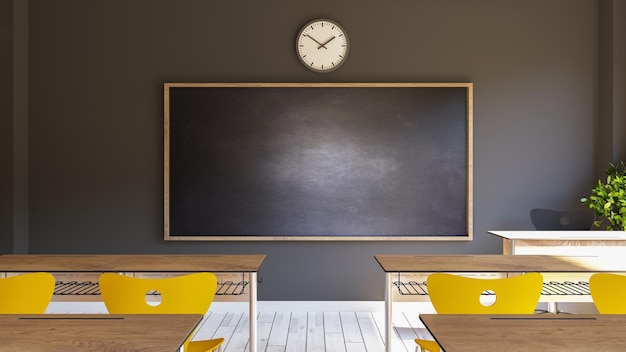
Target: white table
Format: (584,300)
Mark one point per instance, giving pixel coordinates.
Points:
(563,242)
(583,242)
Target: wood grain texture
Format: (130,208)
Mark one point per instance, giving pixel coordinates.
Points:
(579,332)
(95,332)
(498,263)
(131,262)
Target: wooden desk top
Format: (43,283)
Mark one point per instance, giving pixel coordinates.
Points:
(538,332)
(95,332)
(498,263)
(562,235)
(131,262)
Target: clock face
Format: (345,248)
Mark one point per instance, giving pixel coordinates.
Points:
(322,45)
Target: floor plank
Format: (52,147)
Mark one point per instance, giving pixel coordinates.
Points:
(265,322)
(371,336)
(315,332)
(296,339)
(280,330)
(240,337)
(332,323)
(334,342)
(351,330)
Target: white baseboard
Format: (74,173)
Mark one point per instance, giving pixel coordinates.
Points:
(272,306)
(302,306)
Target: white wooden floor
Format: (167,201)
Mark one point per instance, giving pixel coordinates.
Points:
(335,327)
(313,331)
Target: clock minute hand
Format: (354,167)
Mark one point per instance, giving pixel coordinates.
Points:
(315,40)
(324,45)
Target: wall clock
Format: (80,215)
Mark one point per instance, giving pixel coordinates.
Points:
(322,45)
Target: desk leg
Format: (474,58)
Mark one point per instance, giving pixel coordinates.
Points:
(253,311)
(388,311)
(553,308)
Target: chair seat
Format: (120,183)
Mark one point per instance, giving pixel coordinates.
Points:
(204,345)
(427,345)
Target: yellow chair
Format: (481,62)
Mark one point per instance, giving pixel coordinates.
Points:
(185,294)
(608,292)
(26,294)
(454,294)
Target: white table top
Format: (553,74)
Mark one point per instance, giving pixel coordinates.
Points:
(562,235)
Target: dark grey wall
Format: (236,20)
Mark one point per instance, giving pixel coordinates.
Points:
(618,88)
(95,121)
(13,126)
(6,126)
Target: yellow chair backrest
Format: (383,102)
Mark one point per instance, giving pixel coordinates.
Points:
(185,294)
(26,293)
(454,294)
(608,292)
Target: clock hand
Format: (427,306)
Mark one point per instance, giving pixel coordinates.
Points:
(324,45)
(315,40)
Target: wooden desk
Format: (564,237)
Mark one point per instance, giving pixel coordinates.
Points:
(95,332)
(394,263)
(168,263)
(575,332)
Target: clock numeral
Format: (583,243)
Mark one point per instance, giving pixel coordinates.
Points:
(311,64)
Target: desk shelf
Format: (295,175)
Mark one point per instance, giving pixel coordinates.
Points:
(560,287)
(552,288)
(84,286)
(89,288)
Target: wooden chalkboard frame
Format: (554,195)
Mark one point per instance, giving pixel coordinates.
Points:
(168,236)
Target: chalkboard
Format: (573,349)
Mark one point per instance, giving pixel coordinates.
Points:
(302,161)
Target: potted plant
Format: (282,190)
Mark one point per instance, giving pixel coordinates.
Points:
(608,199)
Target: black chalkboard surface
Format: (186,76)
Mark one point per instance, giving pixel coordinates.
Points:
(318,161)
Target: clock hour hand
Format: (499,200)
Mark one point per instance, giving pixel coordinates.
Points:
(324,45)
(315,40)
